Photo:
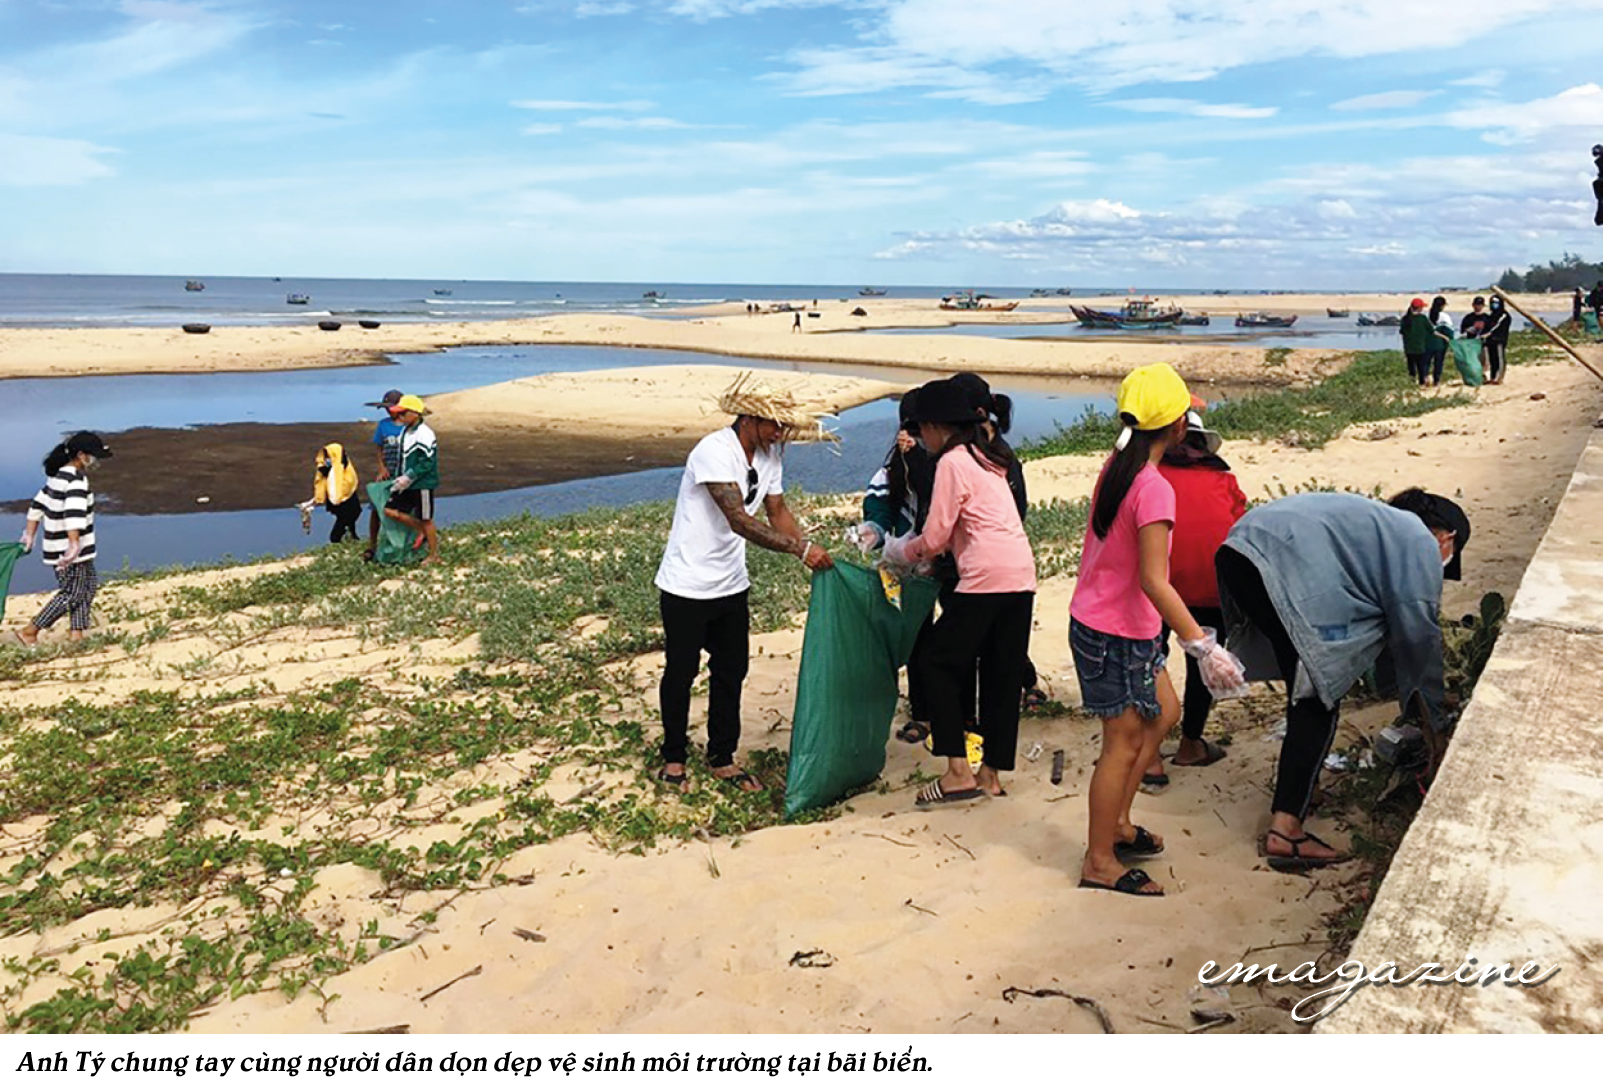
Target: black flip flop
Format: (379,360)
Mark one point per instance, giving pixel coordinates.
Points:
(1131,882)
(1212,755)
(1295,862)
(743,780)
(1145,845)
(934,795)
(913,732)
(1160,781)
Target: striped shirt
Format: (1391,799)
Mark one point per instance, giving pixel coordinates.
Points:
(65,504)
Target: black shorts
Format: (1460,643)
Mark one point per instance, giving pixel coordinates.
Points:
(417,502)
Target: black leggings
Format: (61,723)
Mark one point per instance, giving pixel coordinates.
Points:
(722,627)
(1496,360)
(918,704)
(993,630)
(345,516)
(1310,725)
(1199,701)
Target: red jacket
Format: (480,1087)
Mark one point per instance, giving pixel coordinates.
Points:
(1207,502)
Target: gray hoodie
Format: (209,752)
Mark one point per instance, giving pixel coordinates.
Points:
(1351,578)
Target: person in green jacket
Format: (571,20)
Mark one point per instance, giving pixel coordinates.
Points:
(411,501)
(1419,336)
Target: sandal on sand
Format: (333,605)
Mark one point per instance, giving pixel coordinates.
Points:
(1144,845)
(1212,754)
(1033,699)
(743,779)
(913,732)
(678,779)
(1158,781)
(1295,862)
(934,795)
(1132,882)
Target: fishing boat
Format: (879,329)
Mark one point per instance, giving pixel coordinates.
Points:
(295,298)
(653,295)
(1064,291)
(1137,315)
(1039,293)
(194,285)
(1265,321)
(871,292)
(1387,320)
(329,326)
(1198,318)
(967,300)
(444,292)
(1333,312)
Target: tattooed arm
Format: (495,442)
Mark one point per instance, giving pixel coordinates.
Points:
(771,537)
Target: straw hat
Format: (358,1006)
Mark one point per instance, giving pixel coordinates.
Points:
(747,397)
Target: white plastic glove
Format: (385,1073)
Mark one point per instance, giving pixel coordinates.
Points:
(400,484)
(1222,671)
(68,556)
(26,540)
(896,550)
(868,537)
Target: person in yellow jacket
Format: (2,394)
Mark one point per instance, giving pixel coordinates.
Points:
(334,485)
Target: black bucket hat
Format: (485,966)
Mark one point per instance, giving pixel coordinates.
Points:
(87,442)
(943,401)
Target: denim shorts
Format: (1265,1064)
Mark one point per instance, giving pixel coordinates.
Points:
(1115,672)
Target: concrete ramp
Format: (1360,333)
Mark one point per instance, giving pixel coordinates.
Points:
(1505,860)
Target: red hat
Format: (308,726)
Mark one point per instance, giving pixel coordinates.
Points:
(1417,302)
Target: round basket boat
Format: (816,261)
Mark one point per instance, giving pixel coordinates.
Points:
(196,327)
(329,326)
(368,324)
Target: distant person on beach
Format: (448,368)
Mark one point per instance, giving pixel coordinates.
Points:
(411,501)
(1440,321)
(1576,304)
(1597,184)
(1122,600)
(985,621)
(1496,341)
(65,507)
(730,475)
(1477,321)
(387,438)
(795,326)
(1418,336)
(1317,589)
(335,488)
(1594,299)
(1207,502)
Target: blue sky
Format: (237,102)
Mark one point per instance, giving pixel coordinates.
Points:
(1281,143)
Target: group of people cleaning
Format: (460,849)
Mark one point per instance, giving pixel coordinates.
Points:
(62,514)
(1314,589)
(1429,336)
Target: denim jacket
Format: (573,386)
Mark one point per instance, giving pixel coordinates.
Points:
(1351,579)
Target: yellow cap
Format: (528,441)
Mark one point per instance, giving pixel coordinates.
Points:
(1154,396)
(410,403)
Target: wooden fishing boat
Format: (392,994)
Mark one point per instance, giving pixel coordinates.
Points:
(1193,319)
(297,299)
(1388,320)
(1137,315)
(967,300)
(1265,321)
(444,292)
(1333,312)
(871,292)
(194,285)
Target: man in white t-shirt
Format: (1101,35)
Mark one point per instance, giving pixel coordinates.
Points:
(730,475)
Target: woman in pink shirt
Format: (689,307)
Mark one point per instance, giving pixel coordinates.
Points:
(972,514)
(1121,601)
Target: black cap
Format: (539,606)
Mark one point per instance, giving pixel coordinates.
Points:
(1453,514)
(943,401)
(389,400)
(87,442)
(907,411)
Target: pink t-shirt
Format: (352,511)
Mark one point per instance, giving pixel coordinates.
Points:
(1108,595)
(972,513)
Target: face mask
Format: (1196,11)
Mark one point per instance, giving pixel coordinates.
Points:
(92,462)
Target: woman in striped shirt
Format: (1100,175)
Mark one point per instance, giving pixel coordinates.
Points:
(66,508)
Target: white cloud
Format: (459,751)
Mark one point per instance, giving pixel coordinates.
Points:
(591,9)
(953,45)
(1381,249)
(541,130)
(1578,108)
(1192,108)
(1492,77)
(643,123)
(555,104)
(46,161)
(1337,209)
(1385,100)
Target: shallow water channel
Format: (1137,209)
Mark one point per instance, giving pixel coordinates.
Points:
(39,411)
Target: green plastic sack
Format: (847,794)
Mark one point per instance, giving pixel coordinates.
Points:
(1467,358)
(10,553)
(846,692)
(1589,322)
(394,539)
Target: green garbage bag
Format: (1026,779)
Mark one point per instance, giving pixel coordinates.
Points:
(846,692)
(1467,358)
(394,539)
(10,553)
(1589,322)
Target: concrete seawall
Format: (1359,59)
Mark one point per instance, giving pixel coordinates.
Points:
(1505,860)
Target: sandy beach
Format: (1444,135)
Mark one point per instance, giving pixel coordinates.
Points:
(916,922)
(723,329)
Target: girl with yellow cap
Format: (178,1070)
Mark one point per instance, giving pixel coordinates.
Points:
(1121,601)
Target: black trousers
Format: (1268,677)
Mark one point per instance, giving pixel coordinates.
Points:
(1496,360)
(721,626)
(1310,725)
(345,516)
(994,631)
(918,700)
(1198,700)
